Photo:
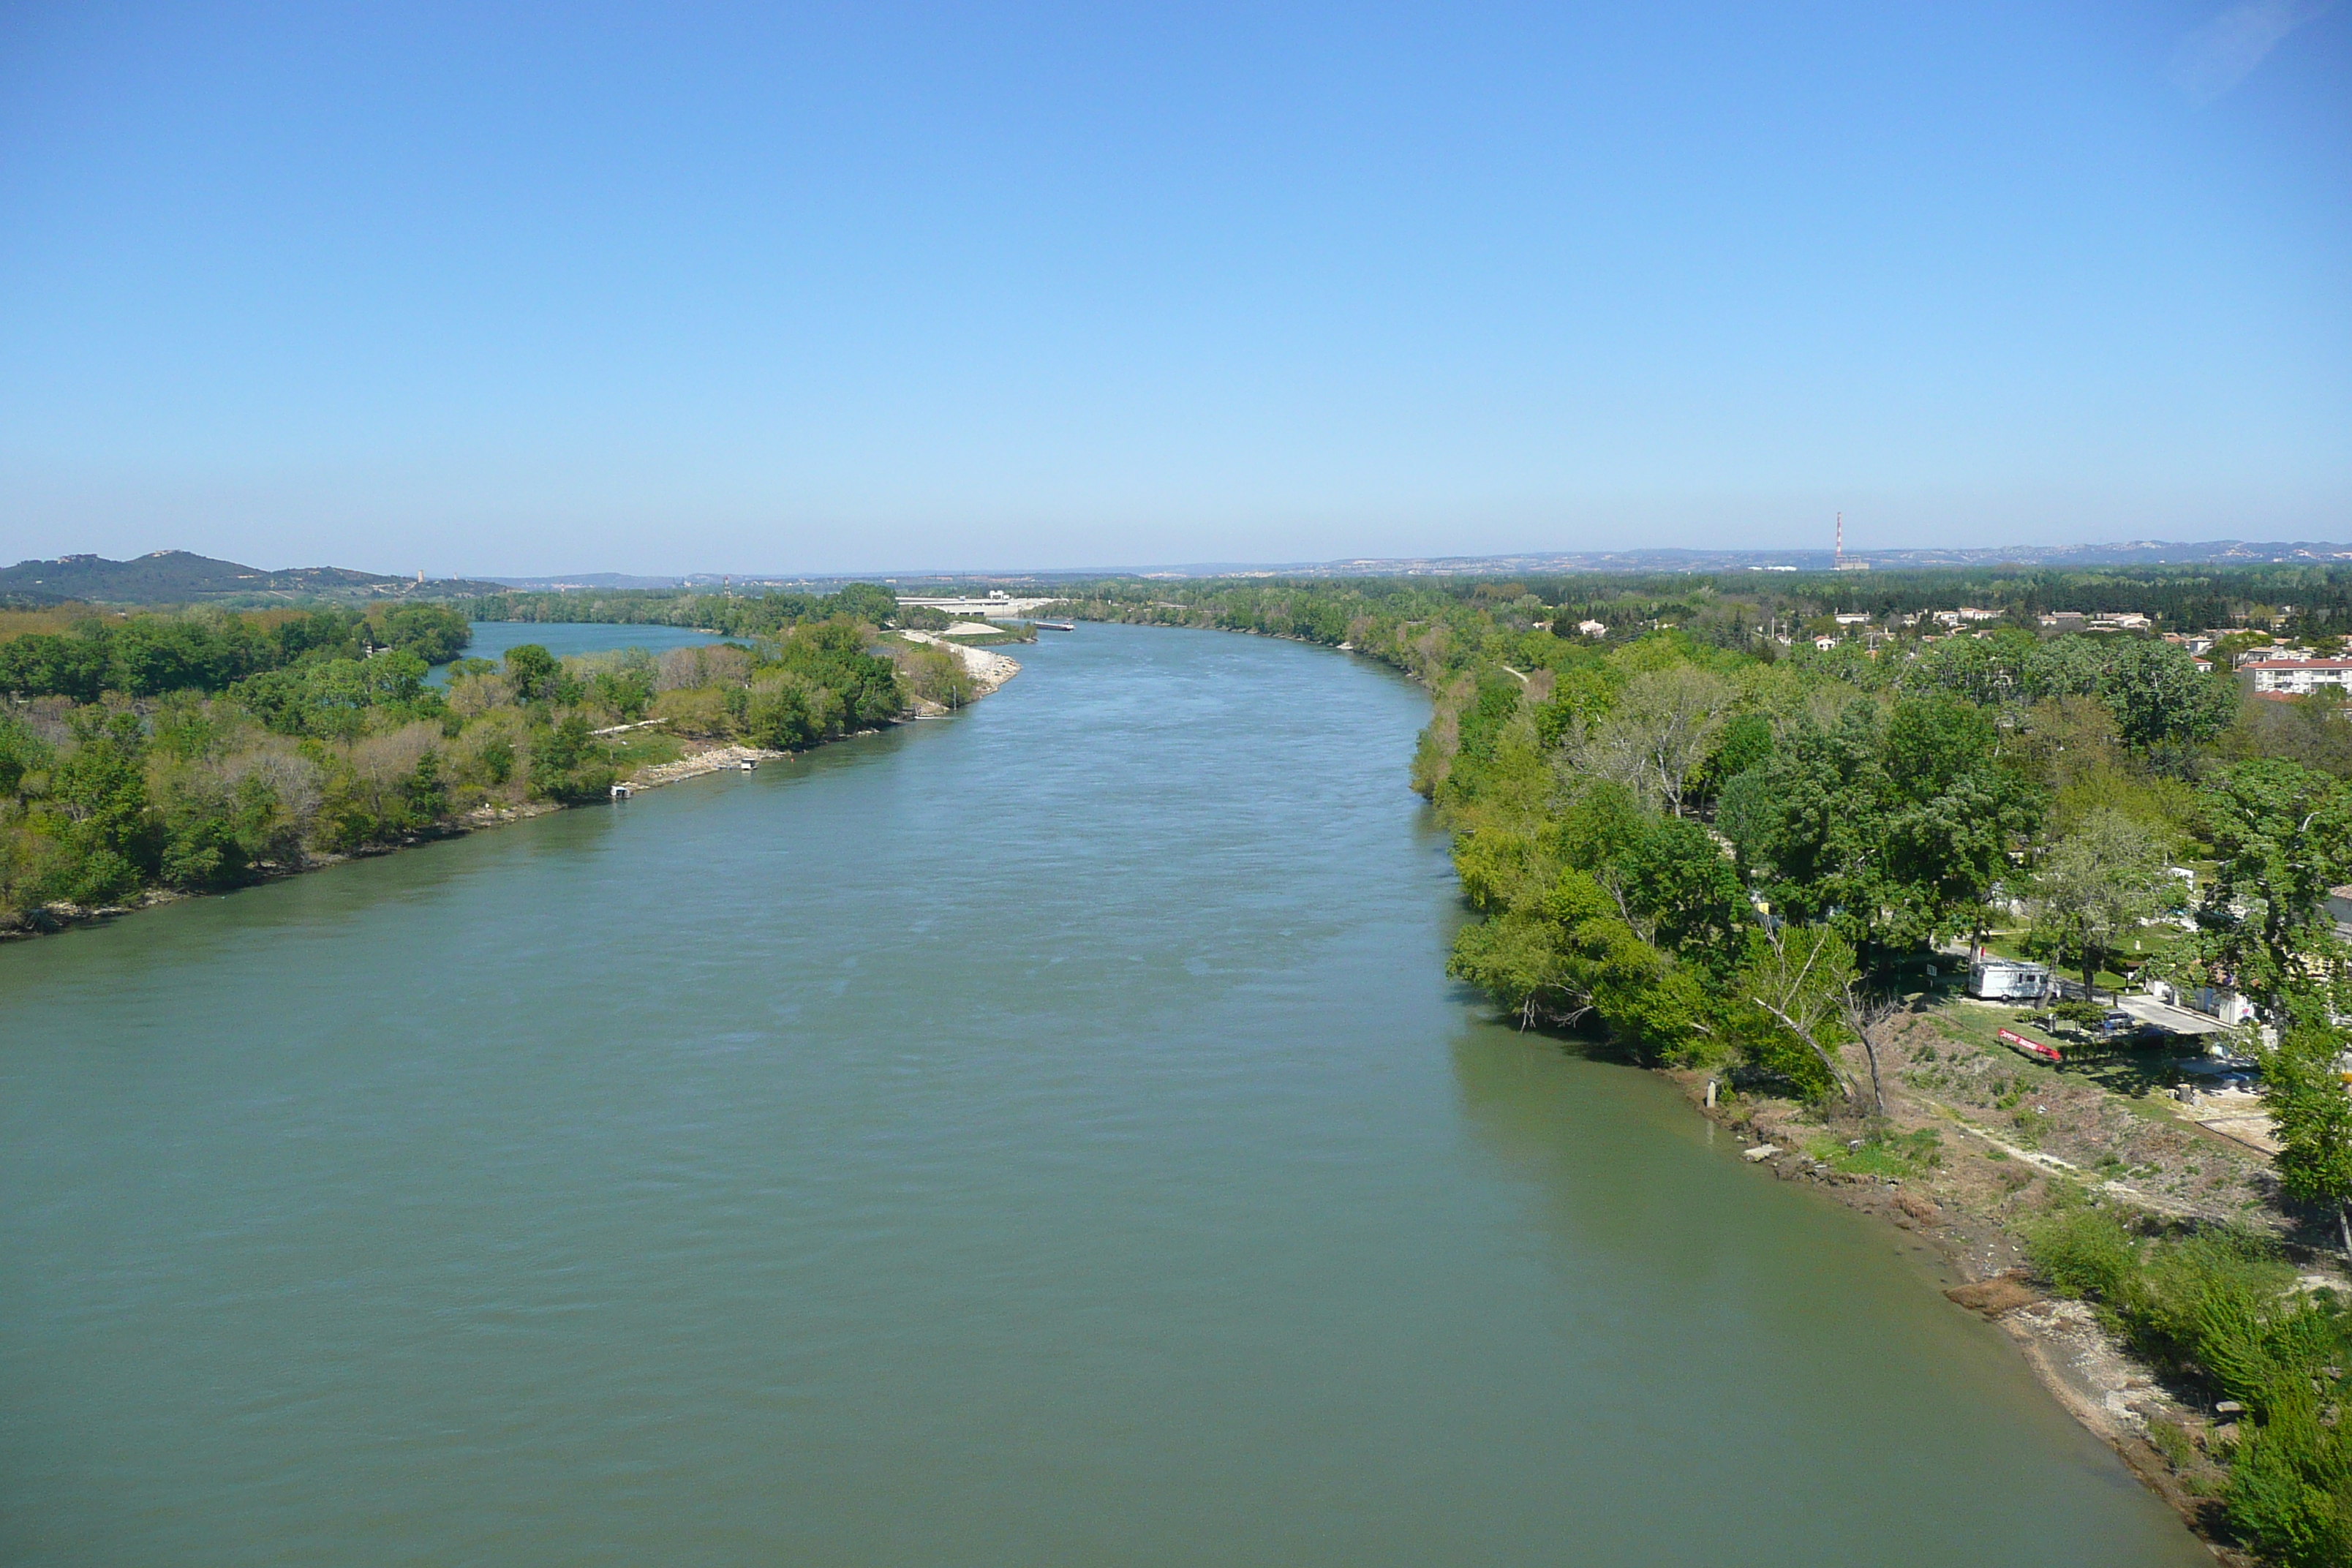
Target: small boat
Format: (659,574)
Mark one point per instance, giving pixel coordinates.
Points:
(1056,625)
(2034,1048)
(748,764)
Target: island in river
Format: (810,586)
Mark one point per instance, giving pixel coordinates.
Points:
(167,756)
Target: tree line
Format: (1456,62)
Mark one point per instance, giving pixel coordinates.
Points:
(1734,608)
(264,742)
(155,654)
(749,615)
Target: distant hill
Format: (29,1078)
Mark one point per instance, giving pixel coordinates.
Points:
(180,577)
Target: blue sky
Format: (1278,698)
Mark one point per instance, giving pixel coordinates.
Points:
(490,289)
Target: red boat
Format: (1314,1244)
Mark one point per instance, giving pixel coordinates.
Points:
(2034,1048)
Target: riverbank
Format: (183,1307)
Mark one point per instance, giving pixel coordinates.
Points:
(1977,1144)
(988,671)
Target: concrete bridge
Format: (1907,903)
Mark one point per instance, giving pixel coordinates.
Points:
(996,606)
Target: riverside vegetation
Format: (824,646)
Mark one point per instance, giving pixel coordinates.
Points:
(182,753)
(1714,851)
(1626,809)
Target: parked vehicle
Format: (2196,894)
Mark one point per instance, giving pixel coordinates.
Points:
(2007,980)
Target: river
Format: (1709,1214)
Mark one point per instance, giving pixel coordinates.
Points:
(491,640)
(1040,1136)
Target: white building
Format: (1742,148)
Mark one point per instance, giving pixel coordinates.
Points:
(2300,677)
(1593,628)
(2213,1001)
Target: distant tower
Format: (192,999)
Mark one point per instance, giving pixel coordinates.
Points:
(1841,563)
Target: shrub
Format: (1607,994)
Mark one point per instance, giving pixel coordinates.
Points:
(566,763)
(2085,1253)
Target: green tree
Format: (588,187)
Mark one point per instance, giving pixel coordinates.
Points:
(1671,883)
(2282,837)
(100,786)
(1744,742)
(534,673)
(869,602)
(1933,741)
(1557,949)
(434,633)
(2162,700)
(1987,671)
(2098,886)
(2313,1115)
(1808,824)
(1662,728)
(426,792)
(214,834)
(1793,984)
(21,752)
(566,763)
(45,665)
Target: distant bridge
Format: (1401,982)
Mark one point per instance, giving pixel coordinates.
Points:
(994,607)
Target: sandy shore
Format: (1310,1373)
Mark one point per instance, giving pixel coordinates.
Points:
(987,669)
(718,759)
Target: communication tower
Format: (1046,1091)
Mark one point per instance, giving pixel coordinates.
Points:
(1838,561)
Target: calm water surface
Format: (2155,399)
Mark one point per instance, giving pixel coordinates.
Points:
(563,639)
(1043,1136)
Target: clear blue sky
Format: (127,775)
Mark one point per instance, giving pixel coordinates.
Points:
(491,289)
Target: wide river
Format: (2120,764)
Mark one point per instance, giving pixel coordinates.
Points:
(1044,1136)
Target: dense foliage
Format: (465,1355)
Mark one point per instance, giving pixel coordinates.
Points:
(208,749)
(731,615)
(155,654)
